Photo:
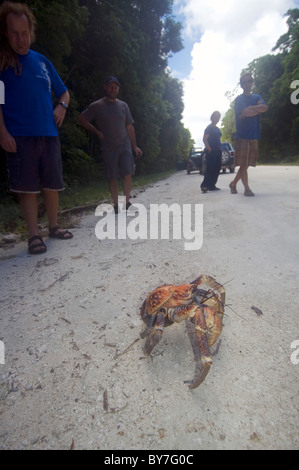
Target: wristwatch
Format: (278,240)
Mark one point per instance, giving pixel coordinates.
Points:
(62,103)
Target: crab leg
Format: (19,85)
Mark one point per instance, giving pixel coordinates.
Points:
(211,283)
(182,312)
(206,359)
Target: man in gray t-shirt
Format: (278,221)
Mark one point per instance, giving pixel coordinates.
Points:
(110,119)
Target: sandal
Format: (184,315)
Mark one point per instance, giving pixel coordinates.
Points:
(233,188)
(248,192)
(56,232)
(36,248)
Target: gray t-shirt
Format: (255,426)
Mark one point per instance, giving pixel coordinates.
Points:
(112,119)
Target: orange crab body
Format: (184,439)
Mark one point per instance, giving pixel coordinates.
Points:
(202,301)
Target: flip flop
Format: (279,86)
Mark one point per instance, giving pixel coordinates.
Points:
(37,248)
(55,232)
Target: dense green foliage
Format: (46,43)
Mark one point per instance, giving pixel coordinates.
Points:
(274,75)
(88,40)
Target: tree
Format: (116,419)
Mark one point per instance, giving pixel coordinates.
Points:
(87,40)
(273,76)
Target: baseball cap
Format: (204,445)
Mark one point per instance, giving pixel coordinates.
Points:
(112,79)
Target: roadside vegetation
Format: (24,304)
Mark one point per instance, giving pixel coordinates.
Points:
(78,199)
(276,79)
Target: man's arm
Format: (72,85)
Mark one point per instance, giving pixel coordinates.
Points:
(132,136)
(7,141)
(89,127)
(206,142)
(253,110)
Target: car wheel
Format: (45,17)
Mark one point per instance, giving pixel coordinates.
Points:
(225,156)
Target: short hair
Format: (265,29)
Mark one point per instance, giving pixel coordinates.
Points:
(214,114)
(244,76)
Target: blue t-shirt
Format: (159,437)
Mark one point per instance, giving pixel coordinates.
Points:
(247,127)
(28,108)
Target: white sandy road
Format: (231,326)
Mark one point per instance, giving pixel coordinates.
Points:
(75,375)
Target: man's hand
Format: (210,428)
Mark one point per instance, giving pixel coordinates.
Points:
(8,143)
(59,115)
(138,152)
(59,111)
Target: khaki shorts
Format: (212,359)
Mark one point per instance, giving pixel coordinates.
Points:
(246,152)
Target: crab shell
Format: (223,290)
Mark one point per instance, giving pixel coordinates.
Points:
(202,301)
(167,296)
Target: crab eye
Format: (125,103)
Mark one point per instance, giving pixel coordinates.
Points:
(163,310)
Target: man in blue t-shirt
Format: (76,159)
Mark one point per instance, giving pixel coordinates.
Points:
(28,122)
(248,107)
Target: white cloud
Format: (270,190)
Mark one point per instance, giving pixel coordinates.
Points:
(232,34)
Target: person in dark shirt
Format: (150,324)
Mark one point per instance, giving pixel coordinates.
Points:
(111,121)
(211,138)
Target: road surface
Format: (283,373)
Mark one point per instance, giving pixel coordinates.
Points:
(75,375)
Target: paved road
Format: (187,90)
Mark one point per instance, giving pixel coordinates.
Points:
(75,374)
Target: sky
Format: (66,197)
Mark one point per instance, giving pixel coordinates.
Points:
(220,39)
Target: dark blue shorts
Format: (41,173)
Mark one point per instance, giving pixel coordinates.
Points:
(36,165)
(118,162)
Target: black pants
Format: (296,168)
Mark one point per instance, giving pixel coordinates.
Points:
(212,170)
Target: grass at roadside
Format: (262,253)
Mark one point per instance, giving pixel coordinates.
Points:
(11,220)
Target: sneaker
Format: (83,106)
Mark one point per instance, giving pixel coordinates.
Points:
(214,189)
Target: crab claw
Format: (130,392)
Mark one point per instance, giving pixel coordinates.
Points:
(152,339)
(155,333)
(203,343)
(198,380)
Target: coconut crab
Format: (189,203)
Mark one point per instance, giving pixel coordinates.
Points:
(202,301)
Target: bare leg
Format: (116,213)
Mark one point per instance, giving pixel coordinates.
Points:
(243,176)
(113,187)
(29,208)
(127,187)
(51,202)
